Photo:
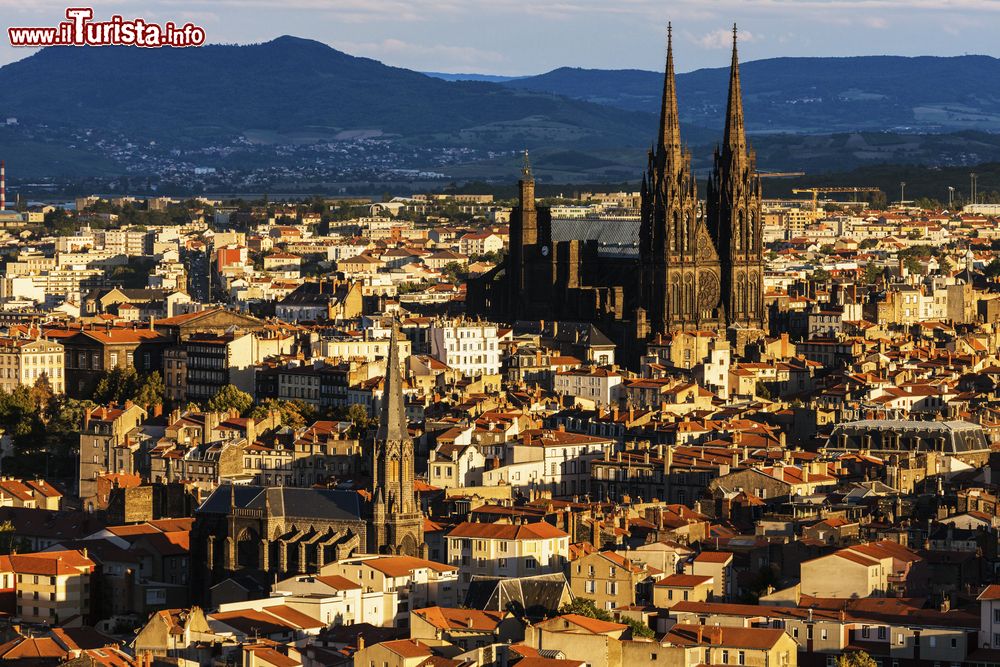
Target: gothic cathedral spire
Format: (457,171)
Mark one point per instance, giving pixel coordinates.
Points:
(670,128)
(735,138)
(678,264)
(733,205)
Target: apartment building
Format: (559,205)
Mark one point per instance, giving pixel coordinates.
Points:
(51,587)
(107,444)
(506,549)
(469,347)
(595,386)
(23,362)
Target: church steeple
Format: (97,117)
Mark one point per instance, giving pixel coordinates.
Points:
(392,422)
(396,522)
(735,139)
(670,129)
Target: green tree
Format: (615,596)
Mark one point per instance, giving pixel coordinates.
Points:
(9,542)
(151,391)
(820,276)
(229,398)
(872,272)
(586,607)
(42,395)
(294,414)
(856,659)
(117,385)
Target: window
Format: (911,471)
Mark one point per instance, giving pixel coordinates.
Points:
(932,641)
(741,658)
(822,633)
(954,642)
(866,631)
(882,632)
(589,586)
(725,657)
(795,633)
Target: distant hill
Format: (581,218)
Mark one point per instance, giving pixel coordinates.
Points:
(132,118)
(489,78)
(297,89)
(808,95)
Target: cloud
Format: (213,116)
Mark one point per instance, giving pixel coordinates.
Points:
(723,39)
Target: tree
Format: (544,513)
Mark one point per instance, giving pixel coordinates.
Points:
(42,394)
(117,385)
(586,607)
(294,414)
(9,542)
(856,659)
(872,272)
(230,398)
(151,391)
(913,265)
(820,276)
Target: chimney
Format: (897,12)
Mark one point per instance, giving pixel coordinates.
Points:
(361,642)
(700,633)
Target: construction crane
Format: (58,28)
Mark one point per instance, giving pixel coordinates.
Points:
(817,191)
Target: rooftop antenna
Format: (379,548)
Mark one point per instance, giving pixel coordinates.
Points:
(527,165)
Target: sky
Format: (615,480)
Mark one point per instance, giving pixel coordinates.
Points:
(519,37)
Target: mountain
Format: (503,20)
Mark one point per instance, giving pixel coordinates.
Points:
(297,115)
(808,95)
(293,89)
(490,78)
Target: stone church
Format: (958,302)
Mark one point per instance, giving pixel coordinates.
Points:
(282,530)
(684,266)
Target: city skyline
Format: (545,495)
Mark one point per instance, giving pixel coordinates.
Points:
(446,36)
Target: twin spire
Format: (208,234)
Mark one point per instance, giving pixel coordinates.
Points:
(670,132)
(735,139)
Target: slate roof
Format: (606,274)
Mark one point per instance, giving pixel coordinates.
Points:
(286,501)
(533,597)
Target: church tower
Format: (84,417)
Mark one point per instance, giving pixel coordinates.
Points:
(679,271)
(396,522)
(734,212)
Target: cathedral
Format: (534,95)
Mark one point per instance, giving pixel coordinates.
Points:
(281,530)
(698,266)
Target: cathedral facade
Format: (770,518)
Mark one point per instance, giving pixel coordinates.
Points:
(697,266)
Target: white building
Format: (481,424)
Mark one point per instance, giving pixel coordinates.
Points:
(471,348)
(506,550)
(553,461)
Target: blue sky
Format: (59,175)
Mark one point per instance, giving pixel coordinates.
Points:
(518,37)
